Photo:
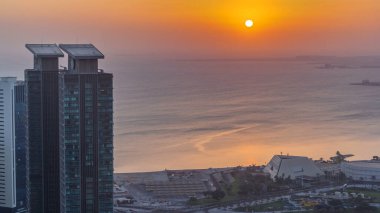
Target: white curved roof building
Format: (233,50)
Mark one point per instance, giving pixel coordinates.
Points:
(362,170)
(292,166)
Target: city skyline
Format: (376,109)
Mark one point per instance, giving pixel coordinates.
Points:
(216,106)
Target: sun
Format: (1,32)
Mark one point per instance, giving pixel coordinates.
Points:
(248,23)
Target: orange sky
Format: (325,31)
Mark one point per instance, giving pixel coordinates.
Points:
(191,29)
(197,28)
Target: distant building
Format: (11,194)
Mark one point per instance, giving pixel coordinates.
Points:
(283,166)
(86,127)
(20,132)
(176,188)
(177,184)
(143,177)
(7,146)
(328,168)
(368,171)
(43,192)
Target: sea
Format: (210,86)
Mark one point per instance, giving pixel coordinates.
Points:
(190,114)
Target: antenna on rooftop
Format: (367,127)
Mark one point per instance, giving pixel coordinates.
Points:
(42,39)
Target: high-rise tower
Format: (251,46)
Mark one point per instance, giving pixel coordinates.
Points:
(7,146)
(20,133)
(86,126)
(43,193)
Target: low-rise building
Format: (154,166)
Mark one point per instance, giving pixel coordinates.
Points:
(329,168)
(364,170)
(177,188)
(284,166)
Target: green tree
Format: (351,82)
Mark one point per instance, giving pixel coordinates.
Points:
(218,194)
(193,200)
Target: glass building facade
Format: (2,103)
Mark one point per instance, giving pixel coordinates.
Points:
(20,132)
(69,131)
(43,179)
(86,125)
(7,146)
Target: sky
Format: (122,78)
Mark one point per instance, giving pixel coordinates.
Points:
(193,28)
(189,29)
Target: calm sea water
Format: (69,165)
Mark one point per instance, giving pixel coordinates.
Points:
(200,114)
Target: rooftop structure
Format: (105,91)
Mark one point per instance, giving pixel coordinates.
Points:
(44,50)
(83,58)
(82,51)
(366,164)
(291,166)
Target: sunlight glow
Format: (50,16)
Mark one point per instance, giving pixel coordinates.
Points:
(249,23)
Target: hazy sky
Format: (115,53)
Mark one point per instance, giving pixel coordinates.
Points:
(194,28)
(189,29)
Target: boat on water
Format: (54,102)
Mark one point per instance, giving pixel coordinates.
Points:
(367,83)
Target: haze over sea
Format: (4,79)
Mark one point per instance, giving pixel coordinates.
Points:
(201,114)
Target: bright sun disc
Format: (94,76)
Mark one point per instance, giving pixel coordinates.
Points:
(249,23)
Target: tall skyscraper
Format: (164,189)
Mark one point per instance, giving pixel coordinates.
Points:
(20,132)
(43,193)
(86,125)
(7,146)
